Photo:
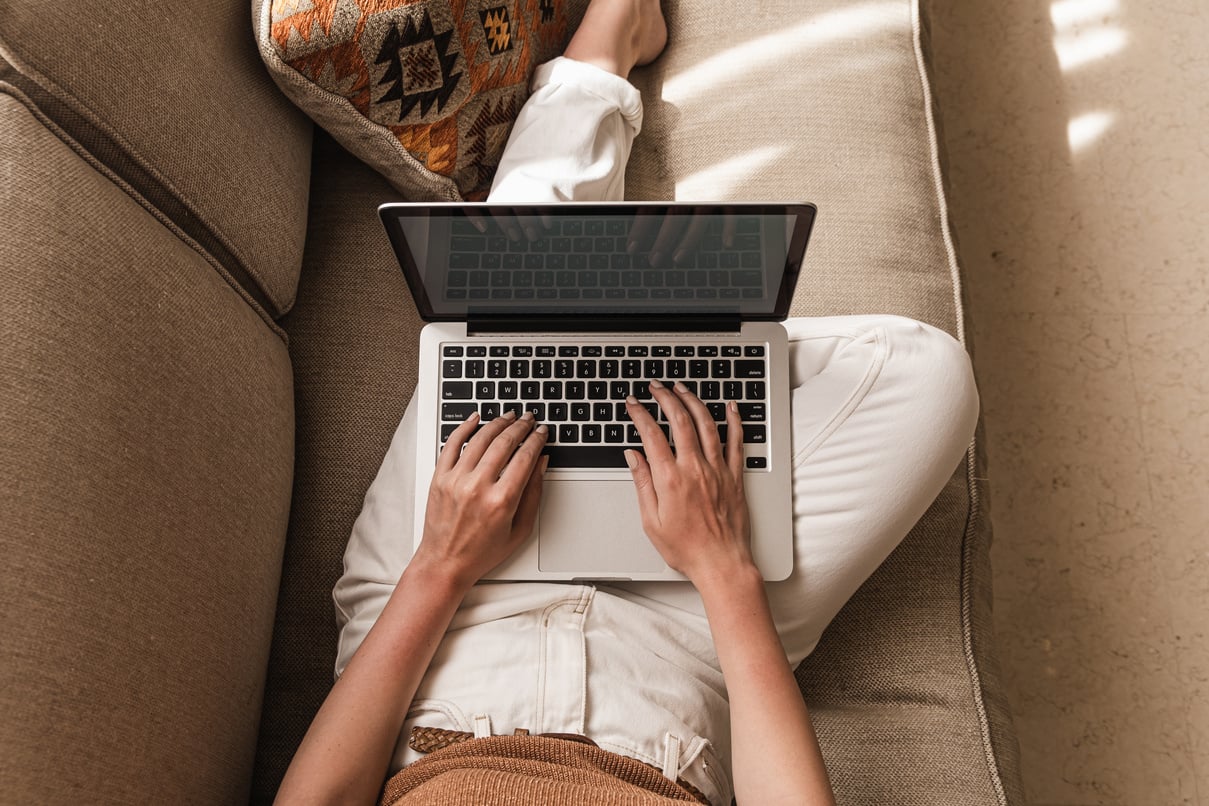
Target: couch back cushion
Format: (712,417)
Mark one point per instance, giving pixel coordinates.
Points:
(146,449)
(174,100)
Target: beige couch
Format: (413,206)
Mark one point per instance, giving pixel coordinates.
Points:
(206,345)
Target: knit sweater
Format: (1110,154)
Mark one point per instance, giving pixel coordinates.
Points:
(526,770)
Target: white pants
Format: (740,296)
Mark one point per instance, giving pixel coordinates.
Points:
(883,410)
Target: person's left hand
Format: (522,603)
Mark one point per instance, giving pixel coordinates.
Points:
(483,501)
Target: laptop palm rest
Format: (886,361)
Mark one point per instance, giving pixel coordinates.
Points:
(593,525)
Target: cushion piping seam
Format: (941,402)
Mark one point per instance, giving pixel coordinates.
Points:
(971,485)
(255,291)
(80,151)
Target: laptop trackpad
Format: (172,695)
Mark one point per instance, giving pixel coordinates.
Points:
(592,528)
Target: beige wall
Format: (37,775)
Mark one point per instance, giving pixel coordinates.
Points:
(1078,134)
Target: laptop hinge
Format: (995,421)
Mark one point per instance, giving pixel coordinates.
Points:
(723,323)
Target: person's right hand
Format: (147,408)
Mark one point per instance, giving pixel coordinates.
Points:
(483,499)
(692,502)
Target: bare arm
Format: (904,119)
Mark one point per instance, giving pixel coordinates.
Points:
(694,512)
(481,505)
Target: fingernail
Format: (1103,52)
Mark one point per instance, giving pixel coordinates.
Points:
(509,415)
(541,429)
(631,460)
(532,233)
(733,406)
(632,247)
(479,225)
(656,258)
(680,256)
(681,388)
(474,415)
(528,415)
(656,385)
(631,400)
(514,233)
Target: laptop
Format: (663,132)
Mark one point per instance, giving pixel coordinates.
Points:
(564,310)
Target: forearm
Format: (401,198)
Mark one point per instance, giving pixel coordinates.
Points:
(346,752)
(775,755)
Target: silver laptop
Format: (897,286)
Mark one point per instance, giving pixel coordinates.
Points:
(566,309)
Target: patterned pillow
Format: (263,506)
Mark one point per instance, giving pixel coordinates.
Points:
(425,91)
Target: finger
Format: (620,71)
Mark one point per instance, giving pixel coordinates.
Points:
(692,236)
(729,225)
(528,455)
(648,501)
(703,421)
(530,223)
(478,220)
(531,499)
(669,236)
(654,443)
(684,432)
(453,446)
(643,231)
(500,451)
(479,443)
(507,224)
(734,439)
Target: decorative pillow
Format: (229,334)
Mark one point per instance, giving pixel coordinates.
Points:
(425,91)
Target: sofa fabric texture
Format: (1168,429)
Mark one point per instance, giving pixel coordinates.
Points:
(175,101)
(146,450)
(426,91)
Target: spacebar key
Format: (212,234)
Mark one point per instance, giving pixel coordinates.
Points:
(585,456)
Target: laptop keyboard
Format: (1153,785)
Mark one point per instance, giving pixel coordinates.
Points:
(579,391)
(588,259)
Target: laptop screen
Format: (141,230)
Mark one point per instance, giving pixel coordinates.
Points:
(466,261)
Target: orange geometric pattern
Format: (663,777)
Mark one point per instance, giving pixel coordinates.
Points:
(446,77)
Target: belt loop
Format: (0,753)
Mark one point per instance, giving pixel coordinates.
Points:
(671,756)
(482,726)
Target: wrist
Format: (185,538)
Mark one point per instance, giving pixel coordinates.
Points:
(440,577)
(727,579)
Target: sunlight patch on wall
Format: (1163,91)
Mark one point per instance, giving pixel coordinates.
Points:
(1085,31)
(1085,129)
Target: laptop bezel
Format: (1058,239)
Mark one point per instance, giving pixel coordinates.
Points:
(803,213)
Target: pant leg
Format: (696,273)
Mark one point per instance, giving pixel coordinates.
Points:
(572,138)
(883,410)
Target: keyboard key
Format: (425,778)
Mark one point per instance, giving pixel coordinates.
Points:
(754,434)
(452,351)
(574,390)
(598,390)
(516,408)
(602,412)
(757,462)
(749,369)
(590,432)
(609,369)
(566,433)
(518,368)
(661,352)
(586,369)
(564,369)
(636,352)
(585,455)
(711,390)
(677,370)
(542,368)
(732,350)
(476,351)
(652,368)
(593,351)
(451,369)
(456,412)
(754,350)
(698,368)
(732,390)
(614,432)
(538,410)
(631,368)
(581,411)
(497,369)
(497,351)
(719,368)
(557,412)
(545,351)
(457,390)
(489,411)
(552,390)
(752,412)
(530,390)
(755,390)
(476,369)
(507,390)
(568,351)
(484,390)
